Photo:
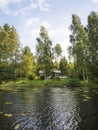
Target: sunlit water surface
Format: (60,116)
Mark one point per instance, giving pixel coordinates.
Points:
(49,109)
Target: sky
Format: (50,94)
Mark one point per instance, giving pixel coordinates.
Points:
(55,15)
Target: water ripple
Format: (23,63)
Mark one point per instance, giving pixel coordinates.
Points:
(49,109)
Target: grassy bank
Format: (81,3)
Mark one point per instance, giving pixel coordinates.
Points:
(33,84)
(48,83)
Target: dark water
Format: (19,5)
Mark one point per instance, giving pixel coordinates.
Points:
(49,109)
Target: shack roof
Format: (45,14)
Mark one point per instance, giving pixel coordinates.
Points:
(41,72)
(56,71)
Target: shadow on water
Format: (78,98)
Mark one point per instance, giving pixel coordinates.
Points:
(49,109)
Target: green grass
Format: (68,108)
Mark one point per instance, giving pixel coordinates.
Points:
(24,83)
(88,84)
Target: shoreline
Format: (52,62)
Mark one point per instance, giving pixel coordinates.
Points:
(22,84)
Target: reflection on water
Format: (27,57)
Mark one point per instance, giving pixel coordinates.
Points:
(49,109)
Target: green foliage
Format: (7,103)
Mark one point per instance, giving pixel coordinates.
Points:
(55,65)
(32,77)
(96,81)
(9,52)
(63,66)
(44,52)
(88,84)
(57,78)
(73,83)
(42,77)
(27,62)
(93,43)
(16,62)
(79,48)
(57,51)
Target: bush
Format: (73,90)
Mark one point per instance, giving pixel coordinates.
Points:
(42,77)
(87,84)
(31,77)
(96,80)
(57,78)
(73,83)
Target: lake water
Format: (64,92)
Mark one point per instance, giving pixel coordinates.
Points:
(49,109)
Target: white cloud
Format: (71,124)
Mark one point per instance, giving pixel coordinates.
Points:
(40,4)
(37,22)
(24,10)
(43,5)
(35,32)
(33,4)
(95,1)
(46,24)
(32,21)
(5,4)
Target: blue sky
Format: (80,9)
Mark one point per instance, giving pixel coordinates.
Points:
(28,15)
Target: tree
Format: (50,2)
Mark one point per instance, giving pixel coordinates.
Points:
(44,52)
(55,65)
(93,43)
(63,66)
(9,50)
(57,51)
(27,62)
(79,47)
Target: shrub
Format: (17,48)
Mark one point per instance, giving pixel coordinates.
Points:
(31,77)
(57,78)
(96,80)
(42,77)
(73,83)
